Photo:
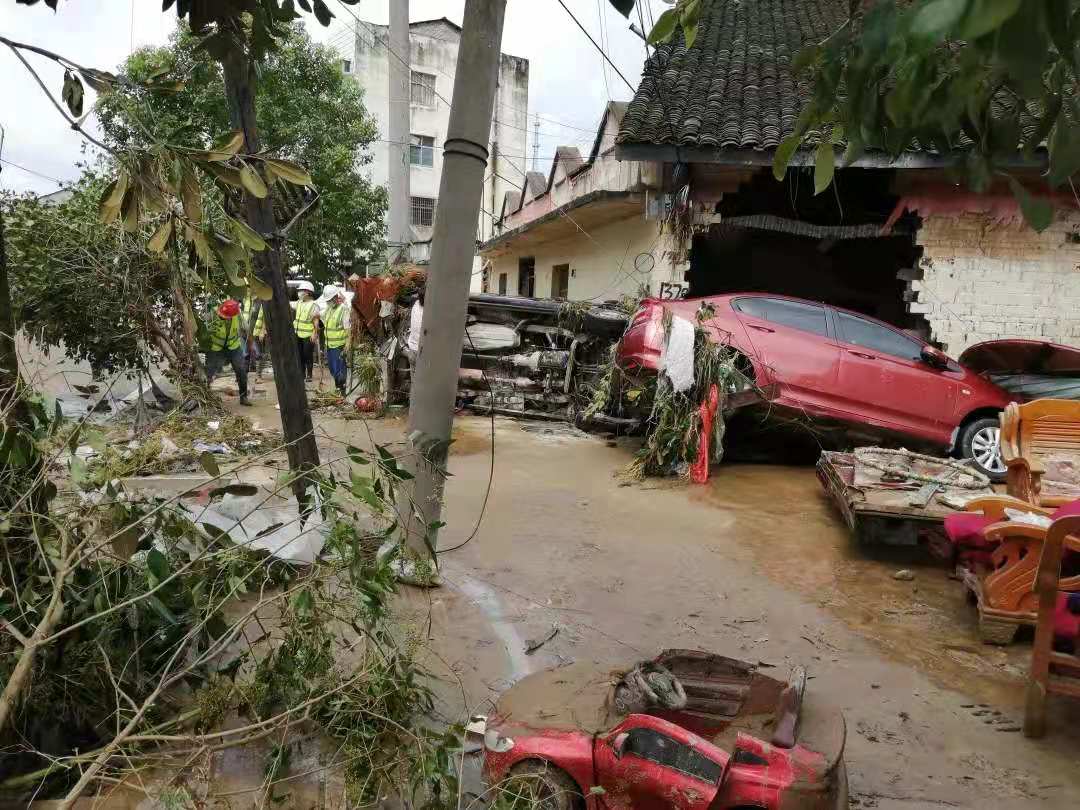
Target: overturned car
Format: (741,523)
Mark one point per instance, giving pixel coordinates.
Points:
(688,729)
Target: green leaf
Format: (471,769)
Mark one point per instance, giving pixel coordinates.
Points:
(664,27)
(226,174)
(112,198)
(824,166)
(252,181)
(158,565)
(72,94)
(288,171)
(230,143)
(322,13)
(784,153)
(1057,23)
(160,240)
(101,80)
(260,288)
(303,603)
(1064,152)
(246,234)
(159,608)
(209,463)
(984,16)
(191,194)
(805,58)
(1038,211)
(58,418)
(937,18)
(690,34)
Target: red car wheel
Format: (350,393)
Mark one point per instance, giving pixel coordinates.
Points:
(541,785)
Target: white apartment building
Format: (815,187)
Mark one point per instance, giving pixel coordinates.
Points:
(433,60)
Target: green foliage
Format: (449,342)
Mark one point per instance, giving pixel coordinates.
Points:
(92,289)
(309,115)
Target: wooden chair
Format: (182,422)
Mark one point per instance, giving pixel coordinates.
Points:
(1003,586)
(1051,672)
(1029,434)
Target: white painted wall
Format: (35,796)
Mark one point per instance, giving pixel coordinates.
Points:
(620,259)
(434,50)
(984,282)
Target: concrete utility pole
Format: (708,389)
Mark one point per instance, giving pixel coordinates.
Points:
(399,135)
(465,154)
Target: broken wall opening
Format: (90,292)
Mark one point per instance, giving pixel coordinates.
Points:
(781,238)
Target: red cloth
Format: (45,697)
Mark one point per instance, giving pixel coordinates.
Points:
(229,308)
(699,470)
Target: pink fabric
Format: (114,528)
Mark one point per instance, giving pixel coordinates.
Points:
(1066,624)
(1066,509)
(966,528)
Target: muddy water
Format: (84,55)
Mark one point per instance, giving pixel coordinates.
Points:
(794,535)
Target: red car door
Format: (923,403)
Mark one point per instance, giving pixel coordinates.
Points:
(884,380)
(649,764)
(791,339)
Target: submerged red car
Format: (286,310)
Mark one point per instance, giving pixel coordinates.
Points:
(740,740)
(841,366)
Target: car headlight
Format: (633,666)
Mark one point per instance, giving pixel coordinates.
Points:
(496,743)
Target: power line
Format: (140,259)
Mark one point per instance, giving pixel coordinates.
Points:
(15,165)
(593,41)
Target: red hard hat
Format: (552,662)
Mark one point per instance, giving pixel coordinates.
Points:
(229,308)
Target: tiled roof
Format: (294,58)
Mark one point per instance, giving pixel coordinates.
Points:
(734,88)
(536,184)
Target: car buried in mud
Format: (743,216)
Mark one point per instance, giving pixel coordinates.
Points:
(845,372)
(736,739)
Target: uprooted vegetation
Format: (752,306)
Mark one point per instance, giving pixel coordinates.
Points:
(673,422)
(140,641)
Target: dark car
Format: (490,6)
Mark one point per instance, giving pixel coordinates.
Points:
(841,366)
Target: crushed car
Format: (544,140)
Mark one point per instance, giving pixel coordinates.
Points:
(866,378)
(687,730)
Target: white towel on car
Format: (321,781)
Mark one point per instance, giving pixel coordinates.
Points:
(677,359)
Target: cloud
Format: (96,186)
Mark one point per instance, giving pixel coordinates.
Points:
(567,77)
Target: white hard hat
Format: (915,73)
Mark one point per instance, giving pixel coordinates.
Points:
(306,285)
(331,291)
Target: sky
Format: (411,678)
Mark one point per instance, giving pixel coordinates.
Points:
(569,80)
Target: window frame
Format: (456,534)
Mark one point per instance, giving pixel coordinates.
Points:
(841,335)
(678,749)
(416,204)
(560,273)
(768,300)
(346,66)
(418,147)
(427,97)
(526,263)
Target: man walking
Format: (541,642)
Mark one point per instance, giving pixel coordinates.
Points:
(227,345)
(336,331)
(304,326)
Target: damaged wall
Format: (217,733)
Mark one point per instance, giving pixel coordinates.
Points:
(979,281)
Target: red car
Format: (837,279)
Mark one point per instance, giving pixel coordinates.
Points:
(841,366)
(741,741)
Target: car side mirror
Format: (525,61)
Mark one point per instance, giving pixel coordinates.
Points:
(934,357)
(618,744)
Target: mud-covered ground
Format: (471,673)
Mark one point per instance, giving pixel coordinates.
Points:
(754,565)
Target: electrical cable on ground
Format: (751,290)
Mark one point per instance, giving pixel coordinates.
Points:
(491,469)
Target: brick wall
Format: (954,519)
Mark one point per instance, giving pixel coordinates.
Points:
(982,282)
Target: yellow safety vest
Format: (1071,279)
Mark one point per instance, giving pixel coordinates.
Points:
(302,323)
(225,333)
(335,328)
(259,329)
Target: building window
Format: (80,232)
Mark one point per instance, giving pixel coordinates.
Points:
(423,89)
(422,151)
(423,211)
(527,277)
(560,281)
(502,283)
(346,66)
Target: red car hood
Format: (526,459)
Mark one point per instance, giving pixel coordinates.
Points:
(1018,356)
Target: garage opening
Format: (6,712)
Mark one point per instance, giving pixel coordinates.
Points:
(781,238)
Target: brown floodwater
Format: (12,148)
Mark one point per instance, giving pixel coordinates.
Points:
(793,533)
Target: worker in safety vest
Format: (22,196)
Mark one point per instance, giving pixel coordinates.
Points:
(227,339)
(304,326)
(335,326)
(255,347)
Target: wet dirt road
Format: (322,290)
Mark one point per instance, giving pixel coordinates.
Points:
(754,565)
